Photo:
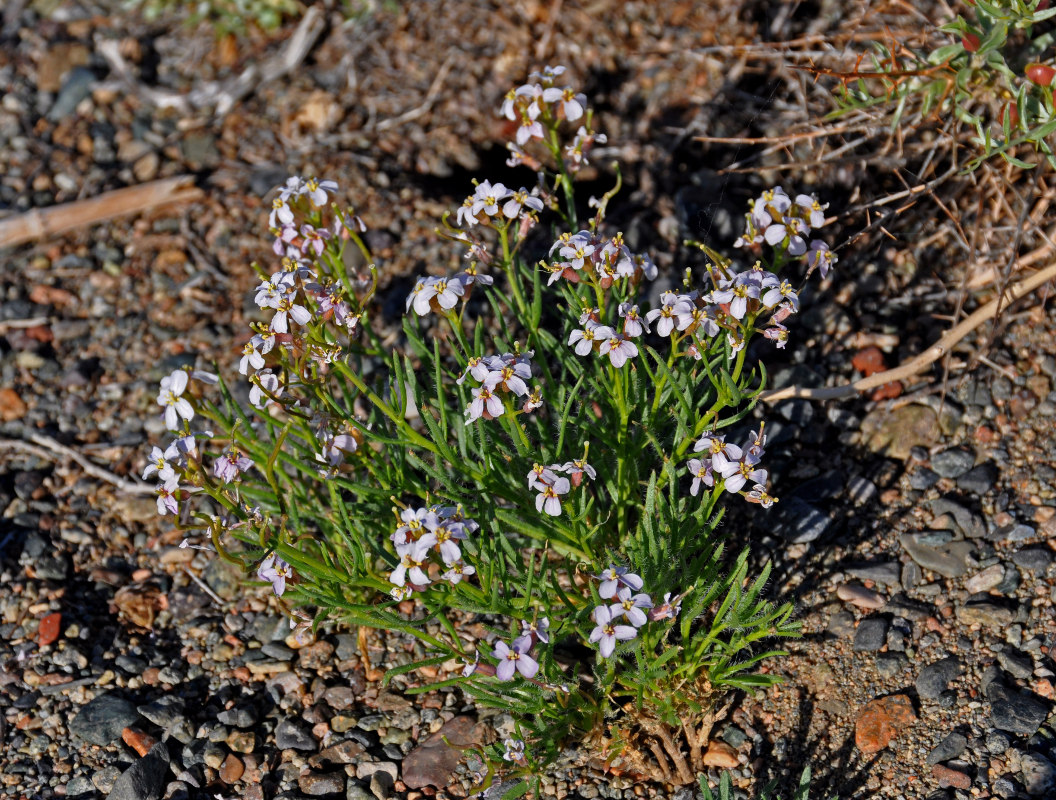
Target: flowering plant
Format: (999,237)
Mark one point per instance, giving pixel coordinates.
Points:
(544,451)
(994,75)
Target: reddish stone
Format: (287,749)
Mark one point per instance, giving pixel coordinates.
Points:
(720,754)
(49,629)
(889,391)
(11,405)
(231,770)
(138,741)
(951,777)
(869,361)
(881,720)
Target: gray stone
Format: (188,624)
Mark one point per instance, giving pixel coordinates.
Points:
(79,786)
(382,785)
(949,748)
(164,712)
(841,624)
(953,463)
(223,578)
(1036,559)
(968,522)
(978,480)
(1015,663)
(1004,787)
(923,479)
(1038,775)
(1013,711)
(291,735)
(997,742)
(871,634)
(146,778)
(984,581)
(890,664)
(902,606)
(104,778)
(239,716)
(800,522)
(883,572)
(911,575)
(356,791)
(76,87)
(320,783)
(935,678)
(102,720)
(948,559)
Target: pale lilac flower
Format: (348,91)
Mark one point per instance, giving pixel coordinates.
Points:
(510,377)
(781,293)
(540,477)
(577,151)
(335,448)
(447,537)
(577,469)
(737,473)
(529,129)
(548,75)
(231,465)
(572,103)
(287,309)
(701,472)
(421,295)
(549,498)
(172,386)
(669,609)
(618,348)
(811,210)
(274,570)
(671,306)
(465,215)
(514,750)
(778,334)
(608,633)
(577,250)
(294,187)
(519,200)
(487,197)
(737,293)
(470,666)
(167,496)
(514,659)
(713,444)
(759,495)
(273,289)
(820,257)
(281,215)
(412,559)
(534,401)
(539,629)
(447,292)
(477,367)
(159,465)
(400,593)
(611,579)
(793,230)
(470,276)
(263,341)
(757,441)
(485,404)
(314,239)
(631,606)
(633,323)
(318,190)
(457,571)
(266,383)
(250,358)
(414,522)
(586,338)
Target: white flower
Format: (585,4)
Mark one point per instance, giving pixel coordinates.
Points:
(169,397)
(159,464)
(608,633)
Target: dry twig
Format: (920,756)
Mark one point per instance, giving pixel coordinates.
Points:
(38,223)
(46,448)
(923,360)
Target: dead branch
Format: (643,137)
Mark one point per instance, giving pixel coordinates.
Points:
(46,448)
(929,356)
(39,223)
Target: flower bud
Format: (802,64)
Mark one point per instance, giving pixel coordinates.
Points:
(1041,74)
(970,42)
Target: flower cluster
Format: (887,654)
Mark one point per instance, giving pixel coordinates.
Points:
(532,103)
(495,200)
(276,572)
(440,295)
(497,375)
(785,223)
(424,531)
(292,240)
(552,487)
(735,466)
(608,259)
(630,604)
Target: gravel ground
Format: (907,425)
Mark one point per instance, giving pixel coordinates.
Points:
(915,533)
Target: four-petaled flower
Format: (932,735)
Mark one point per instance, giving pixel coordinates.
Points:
(549,497)
(607,632)
(167,503)
(172,386)
(631,606)
(515,658)
(231,464)
(274,570)
(613,577)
